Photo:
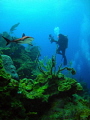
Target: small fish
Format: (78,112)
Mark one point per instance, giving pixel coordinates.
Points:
(23,40)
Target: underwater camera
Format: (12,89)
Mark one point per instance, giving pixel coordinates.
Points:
(51,38)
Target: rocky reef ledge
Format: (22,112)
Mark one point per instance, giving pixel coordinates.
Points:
(48,96)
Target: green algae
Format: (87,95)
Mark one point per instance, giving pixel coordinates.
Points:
(44,89)
(49,94)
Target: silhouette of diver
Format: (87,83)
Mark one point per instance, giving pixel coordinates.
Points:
(62,45)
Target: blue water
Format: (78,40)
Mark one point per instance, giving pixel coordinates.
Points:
(38,19)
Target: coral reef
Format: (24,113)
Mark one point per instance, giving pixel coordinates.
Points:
(24,61)
(42,92)
(7,94)
(9,66)
(75,108)
(13,104)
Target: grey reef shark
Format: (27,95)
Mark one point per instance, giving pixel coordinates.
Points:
(23,40)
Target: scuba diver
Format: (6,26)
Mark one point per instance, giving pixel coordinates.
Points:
(62,45)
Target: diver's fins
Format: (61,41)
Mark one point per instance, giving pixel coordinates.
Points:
(65,61)
(7,40)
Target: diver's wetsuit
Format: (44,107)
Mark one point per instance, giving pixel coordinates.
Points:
(63,44)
